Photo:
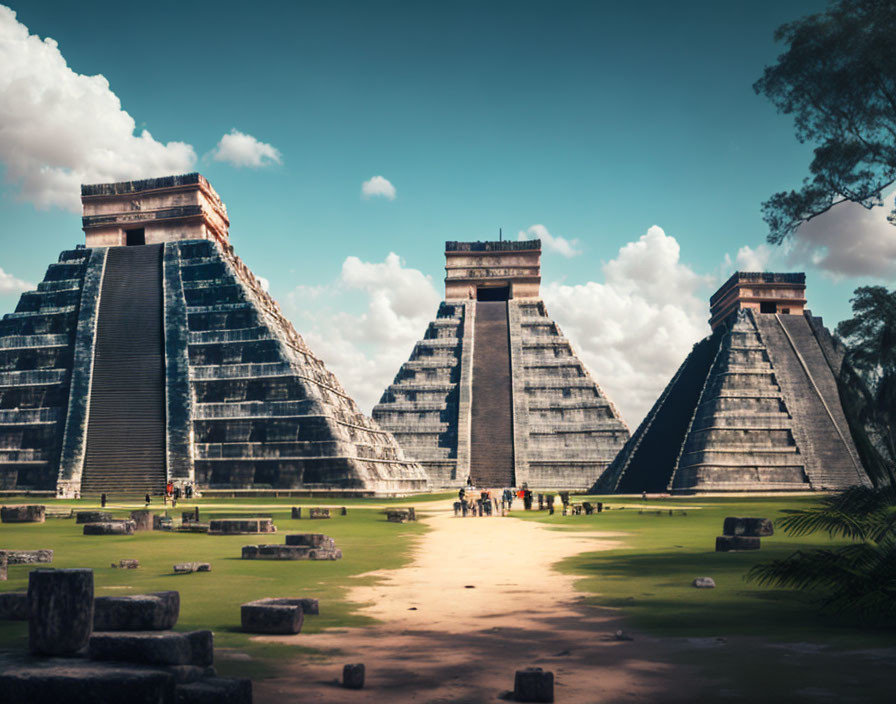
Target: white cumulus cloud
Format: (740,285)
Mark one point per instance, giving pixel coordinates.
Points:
(635,328)
(560,245)
(378,186)
(365,349)
(12,284)
(59,129)
(239,149)
(848,240)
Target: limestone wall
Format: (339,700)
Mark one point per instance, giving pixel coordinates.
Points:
(36,357)
(266,411)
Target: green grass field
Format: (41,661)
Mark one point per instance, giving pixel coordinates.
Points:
(212,600)
(649,575)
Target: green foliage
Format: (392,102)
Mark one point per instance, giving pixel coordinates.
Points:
(858,578)
(838,80)
(868,383)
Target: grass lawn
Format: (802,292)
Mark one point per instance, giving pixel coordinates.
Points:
(649,575)
(212,600)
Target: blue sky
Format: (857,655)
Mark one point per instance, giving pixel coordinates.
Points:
(595,121)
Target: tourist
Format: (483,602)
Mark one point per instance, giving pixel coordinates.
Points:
(147,499)
(102,501)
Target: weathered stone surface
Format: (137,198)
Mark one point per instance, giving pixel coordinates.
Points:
(755,407)
(126,564)
(296,512)
(110,528)
(75,681)
(142,519)
(755,527)
(140,612)
(216,690)
(93,517)
(319,513)
(14,606)
(188,567)
(314,540)
(28,557)
(704,583)
(397,516)
(23,514)
(533,685)
(231,358)
(562,430)
(154,648)
(240,526)
(289,552)
(272,616)
(60,608)
(353,676)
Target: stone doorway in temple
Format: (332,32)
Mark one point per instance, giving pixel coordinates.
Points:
(493,293)
(135,237)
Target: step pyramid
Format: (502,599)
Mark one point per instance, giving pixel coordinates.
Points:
(754,407)
(494,392)
(153,355)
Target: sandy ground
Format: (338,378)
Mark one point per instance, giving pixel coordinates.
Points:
(480,601)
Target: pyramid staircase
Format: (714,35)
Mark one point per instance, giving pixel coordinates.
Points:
(491,429)
(126,431)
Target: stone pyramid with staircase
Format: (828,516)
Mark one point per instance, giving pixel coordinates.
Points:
(153,355)
(754,407)
(494,392)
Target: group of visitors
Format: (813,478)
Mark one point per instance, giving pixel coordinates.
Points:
(487,503)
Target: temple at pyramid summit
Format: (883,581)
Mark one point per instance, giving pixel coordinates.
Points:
(754,407)
(151,354)
(494,392)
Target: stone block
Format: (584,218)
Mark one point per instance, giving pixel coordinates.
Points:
(312,540)
(142,519)
(73,681)
(140,612)
(23,514)
(272,616)
(60,608)
(215,690)
(289,552)
(319,513)
(160,522)
(397,516)
(4,564)
(126,564)
(240,526)
(110,528)
(343,511)
(533,685)
(353,676)
(92,517)
(154,648)
(759,527)
(296,512)
(28,557)
(704,583)
(189,567)
(13,606)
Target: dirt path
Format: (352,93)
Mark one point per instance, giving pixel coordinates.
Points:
(480,601)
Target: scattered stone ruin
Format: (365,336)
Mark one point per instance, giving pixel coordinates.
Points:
(754,407)
(154,355)
(299,546)
(494,391)
(108,649)
(282,616)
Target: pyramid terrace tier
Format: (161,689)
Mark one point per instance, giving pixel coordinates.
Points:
(762,414)
(564,431)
